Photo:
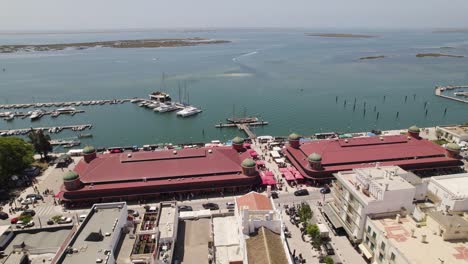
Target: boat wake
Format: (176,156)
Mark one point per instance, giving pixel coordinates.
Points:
(244,55)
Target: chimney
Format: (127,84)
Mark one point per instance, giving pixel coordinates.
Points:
(423,238)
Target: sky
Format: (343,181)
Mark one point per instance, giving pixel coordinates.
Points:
(63,15)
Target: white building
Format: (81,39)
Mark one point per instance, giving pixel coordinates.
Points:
(368,191)
(450,192)
(442,239)
(97,237)
(261,228)
(455,134)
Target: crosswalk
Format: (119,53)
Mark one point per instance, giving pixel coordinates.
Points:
(48,210)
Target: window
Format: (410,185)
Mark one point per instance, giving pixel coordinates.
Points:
(380,257)
(372,246)
(382,246)
(374,235)
(368,229)
(392,256)
(367,240)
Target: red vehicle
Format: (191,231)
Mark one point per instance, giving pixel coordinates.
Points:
(14,220)
(115,151)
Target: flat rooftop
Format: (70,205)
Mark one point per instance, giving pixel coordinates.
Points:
(457,184)
(167,220)
(460,131)
(378,176)
(417,252)
(192,241)
(90,247)
(42,240)
(226,240)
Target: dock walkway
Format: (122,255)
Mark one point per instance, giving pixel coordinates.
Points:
(439,89)
(244,127)
(23,131)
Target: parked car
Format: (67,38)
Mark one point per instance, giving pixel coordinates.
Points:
(64,220)
(328,248)
(230,205)
(185,208)
(274,195)
(3,215)
(325,190)
(50,222)
(82,217)
(14,220)
(211,206)
(301,192)
(34,196)
(29,212)
(27,201)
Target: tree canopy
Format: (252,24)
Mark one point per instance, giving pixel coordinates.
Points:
(305,212)
(15,155)
(41,142)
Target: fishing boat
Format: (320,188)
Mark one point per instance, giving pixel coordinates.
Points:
(189,111)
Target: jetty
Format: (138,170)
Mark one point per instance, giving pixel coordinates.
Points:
(244,127)
(57,129)
(71,103)
(54,113)
(440,89)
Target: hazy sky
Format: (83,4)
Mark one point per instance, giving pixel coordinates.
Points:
(24,15)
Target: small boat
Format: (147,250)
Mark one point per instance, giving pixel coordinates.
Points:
(10,117)
(55,114)
(36,115)
(165,108)
(189,111)
(66,110)
(85,135)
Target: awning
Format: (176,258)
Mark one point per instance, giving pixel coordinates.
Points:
(267,180)
(247,145)
(253,154)
(269,174)
(289,176)
(332,216)
(260,162)
(280,161)
(275,154)
(365,251)
(298,176)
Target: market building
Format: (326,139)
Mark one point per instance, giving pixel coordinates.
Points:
(139,175)
(318,160)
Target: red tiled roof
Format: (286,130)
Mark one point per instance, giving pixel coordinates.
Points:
(347,154)
(254,201)
(159,164)
(114,175)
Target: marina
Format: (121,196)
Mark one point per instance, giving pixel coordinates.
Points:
(69,103)
(440,89)
(52,130)
(36,114)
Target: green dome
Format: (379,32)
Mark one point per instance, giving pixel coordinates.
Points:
(88,150)
(414,129)
(453,147)
(70,176)
(248,163)
(314,157)
(237,140)
(294,136)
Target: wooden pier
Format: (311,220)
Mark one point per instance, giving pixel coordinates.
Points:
(439,89)
(244,127)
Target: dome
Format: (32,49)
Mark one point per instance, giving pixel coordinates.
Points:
(414,129)
(314,157)
(70,176)
(248,163)
(237,140)
(88,150)
(453,147)
(294,136)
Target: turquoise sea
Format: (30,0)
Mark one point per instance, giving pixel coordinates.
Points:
(283,76)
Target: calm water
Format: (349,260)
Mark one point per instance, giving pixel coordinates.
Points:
(285,77)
